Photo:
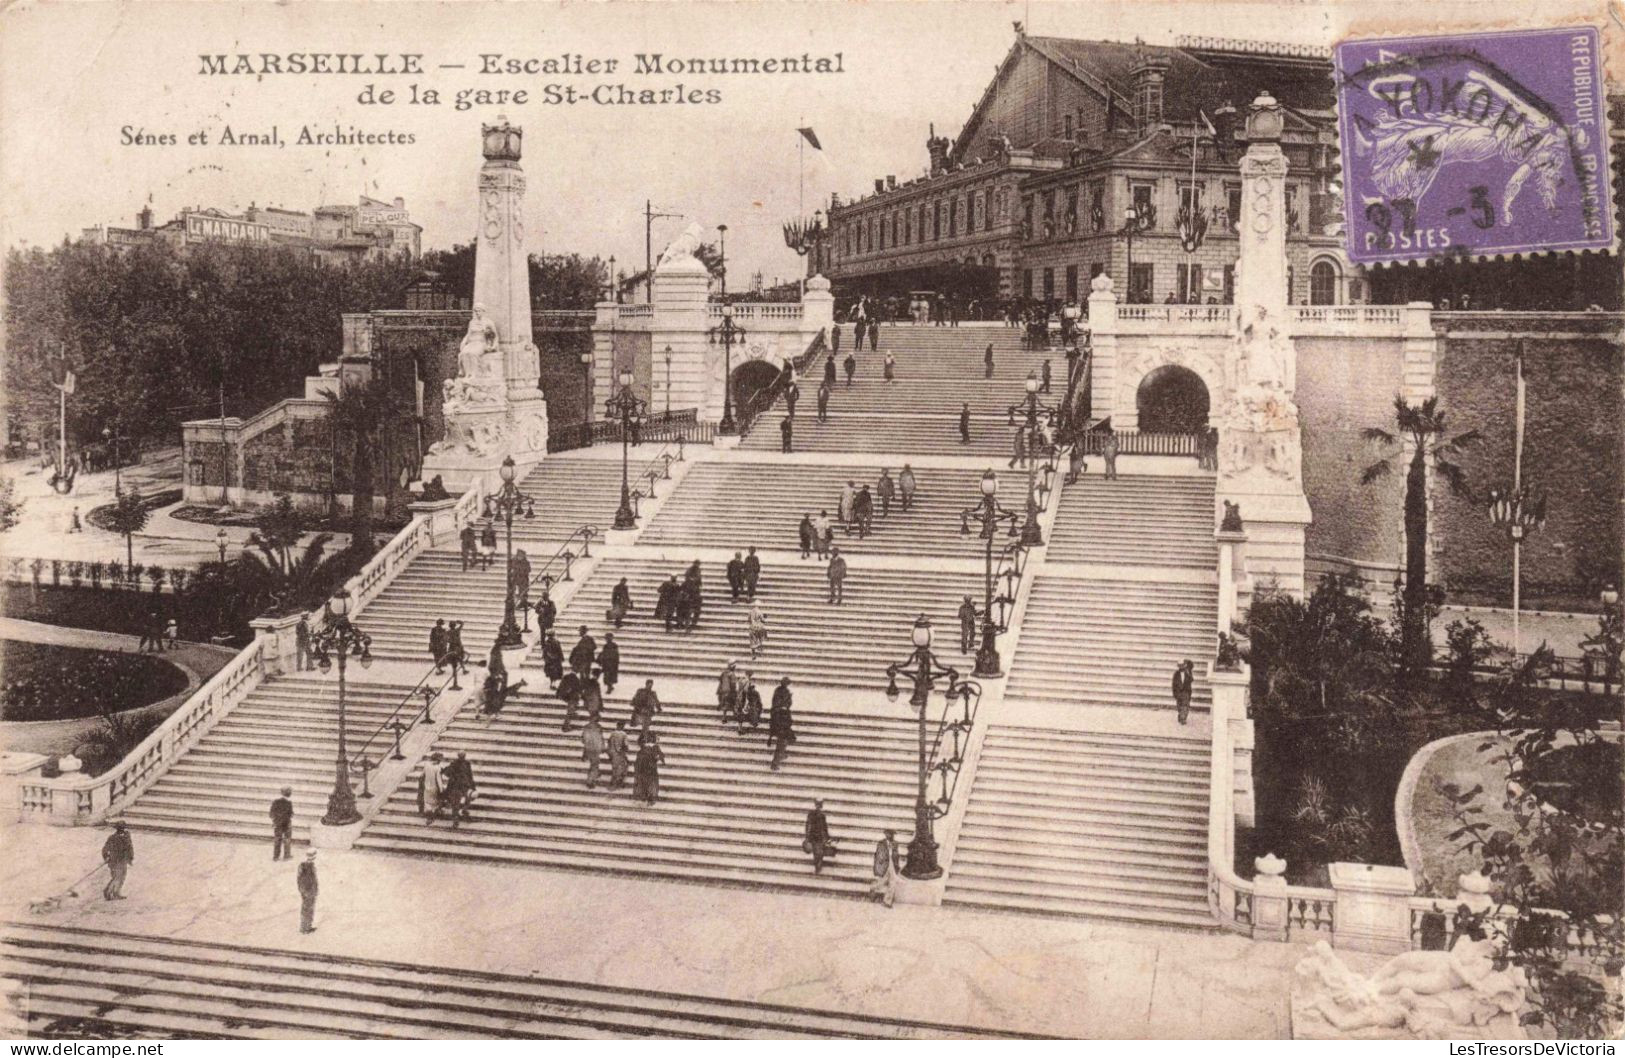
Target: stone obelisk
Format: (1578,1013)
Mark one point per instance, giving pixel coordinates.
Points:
(493,407)
(1260,439)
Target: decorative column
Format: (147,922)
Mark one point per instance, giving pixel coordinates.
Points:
(1260,439)
(1103,343)
(494,407)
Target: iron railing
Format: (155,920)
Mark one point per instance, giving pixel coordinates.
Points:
(668,426)
(1138,443)
(748,412)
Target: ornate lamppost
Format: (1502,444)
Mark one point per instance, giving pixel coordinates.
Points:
(337,639)
(108,435)
(990,515)
(628,406)
(922,669)
(727,334)
(1519,514)
(1136,219)
(1030,408)
(508,501)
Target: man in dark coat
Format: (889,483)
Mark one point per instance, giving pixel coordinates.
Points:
(459,787)
(829,369)
(863,510)
(728,692)
(792,393)
(834,339)
(851,365)
(886,489)
(780,728)
(785,430)
(437,644)
(118,852)
(552,658)
(906,486)
(1044,378)
(666,602)
(823,400)
(583,654)
(753,574)
(470,542)
(987,361)
(807,537)
(817,842)
(874,334)
(645,704)
(836,571)
(609,662)
(569,693)
(547,612)
(750,706)
(967,625)
(736,577)
(1182,689)
(964,423)
(519,577)
(282,826)
(592,696)
(692,593)
(620,602)
(307,893)
(455,651)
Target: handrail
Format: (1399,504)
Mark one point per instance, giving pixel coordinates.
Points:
(419,689)
(586,532)
(764,399)
(652,473)
(949,768)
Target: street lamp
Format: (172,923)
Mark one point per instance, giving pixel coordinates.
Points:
(1029,408)
(668,382)
(629,407)
(113,438)
(221,540)
(1135,219)
(727,333)
(338,638)
(1518,513)
(722,259)
(922,670)
(990,515)
(508,501)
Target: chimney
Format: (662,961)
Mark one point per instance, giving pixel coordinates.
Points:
(1147,80)
(880,186)
(143,220)
(937,147)
(891,183)
(400,203)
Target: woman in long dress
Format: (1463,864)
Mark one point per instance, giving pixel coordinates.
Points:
(758,629)
(431,786)
(646,772)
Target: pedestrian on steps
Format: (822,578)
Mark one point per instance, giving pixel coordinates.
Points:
(455,652)
(118,852)
(987,361)
(736,577)
(964,423)
(834,340)
(646,771)
(645,704)
(851,365)
(886,489)
(583,654)
(620,603)
(592,750)
(890,368)
(780,726)
(666,602)
(906,486)
(301,636)
(609,662)
(569,692)
(728,692)
(1108,452)
(758,629)
(592,696)
(307,893)
(488,543)
(967,625)
(1182,689)
(1076,464)
(469,542)
(816,841)
(432,788)
(805,533)
(519,577)
(618,761)
(829,368)
(874,334)
(437,644)
(547,612)
(792,393)
(786,433)
(750,705)
(836,572)
(823,398)
(753,573)
(552,659)
(1019,456)
(823,533)
(282,826)
(863,512)
(1044,377)
(885,883)
(460,791)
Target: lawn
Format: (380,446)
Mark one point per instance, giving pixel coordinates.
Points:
(47,682)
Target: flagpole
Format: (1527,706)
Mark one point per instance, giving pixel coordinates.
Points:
(801,201)
(1190,255)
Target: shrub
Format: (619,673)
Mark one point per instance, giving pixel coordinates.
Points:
(177,579)
(76,573)
(97,569)
(56,572)
(156,575)
(115,572)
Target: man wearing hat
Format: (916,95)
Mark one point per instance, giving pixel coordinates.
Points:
(118,852)
(282,826)
(307,893)
(817,843)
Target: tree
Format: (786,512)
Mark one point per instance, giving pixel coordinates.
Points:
(361,411)
(276,574)
(1557,874)
(128,516)
(276,533)
(11,508)
(1422,432)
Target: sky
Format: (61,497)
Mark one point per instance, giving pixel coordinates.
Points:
(75,76)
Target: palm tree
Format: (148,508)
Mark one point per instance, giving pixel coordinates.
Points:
(285,578)
(363,411)
(1423,432)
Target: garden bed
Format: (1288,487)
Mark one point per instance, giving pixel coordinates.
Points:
(44,682)
(100,517)
(96,609)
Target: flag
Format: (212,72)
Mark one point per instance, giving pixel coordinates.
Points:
(68,383)
(812,138)
(1211,131)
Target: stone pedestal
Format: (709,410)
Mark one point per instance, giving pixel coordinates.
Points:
(1269,898)
(1230,709)
(1103,346)
(1373,907)
(440,518)
(279,636)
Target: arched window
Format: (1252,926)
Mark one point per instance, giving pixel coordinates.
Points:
(1323,283)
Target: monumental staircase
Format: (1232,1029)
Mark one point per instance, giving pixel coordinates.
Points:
(84,983)
(722,815)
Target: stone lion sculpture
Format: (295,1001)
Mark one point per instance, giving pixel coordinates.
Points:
(1455,994)
(685,245)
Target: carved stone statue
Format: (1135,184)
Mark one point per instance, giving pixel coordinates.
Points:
(1433,995)
(479,356)
(1231,522)
(685,245)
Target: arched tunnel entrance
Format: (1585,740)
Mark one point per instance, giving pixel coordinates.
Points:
(1172,399)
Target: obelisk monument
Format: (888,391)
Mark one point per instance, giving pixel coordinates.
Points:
(493,407)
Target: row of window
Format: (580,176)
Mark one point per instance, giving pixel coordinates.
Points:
(1056,213)
(1191,285)
(930,222)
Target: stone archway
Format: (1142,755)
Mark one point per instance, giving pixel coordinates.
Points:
(1172,399)
(752,377)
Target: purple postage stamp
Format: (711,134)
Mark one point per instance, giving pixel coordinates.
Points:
(1470,144)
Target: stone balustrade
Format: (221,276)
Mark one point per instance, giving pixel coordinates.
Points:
(760,310)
